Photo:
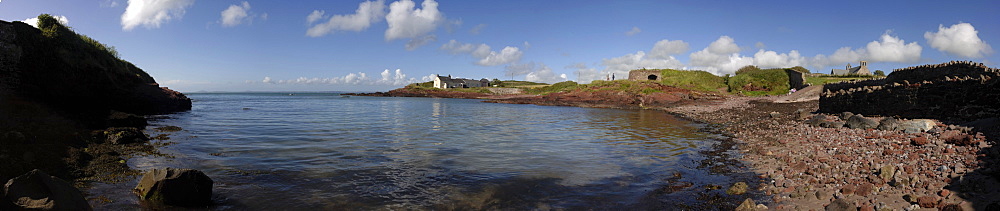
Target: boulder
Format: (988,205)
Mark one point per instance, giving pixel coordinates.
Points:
(919,141)
(177,187)
(889,123)
(861,122)
(747,205)
(831,124)
(958,138)
(845,115)
(840,205)
(917,125)
(122,119)
(886,172)
(927,201)
(125,135)
(737,189)
(815,121)
(774,114)
(801,114)
(36,190)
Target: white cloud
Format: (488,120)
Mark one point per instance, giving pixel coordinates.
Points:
(545,75)
(664,48)
(152,13)
(536,73)
(771,59)
(527,45)
(109,3)
(314,16)
(635,30)
(661,56)
(886,49)
(368,12)
(960,39)
(407,22)
(387,77)
(506,56)
(236,15)
(760,45)
(477,29)
(483,52)
(415,43)
(34,21)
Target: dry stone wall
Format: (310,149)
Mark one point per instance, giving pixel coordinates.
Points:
(642,75)
(957,90)
(10,55)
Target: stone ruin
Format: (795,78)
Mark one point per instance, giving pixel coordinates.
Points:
(956,90)
(642,75)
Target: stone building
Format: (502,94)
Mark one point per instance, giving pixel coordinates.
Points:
(446,82)
(638,75)
(859,70)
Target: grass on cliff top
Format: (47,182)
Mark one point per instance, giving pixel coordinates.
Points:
(80,50)
(556,87)
(693,80)
(760,82)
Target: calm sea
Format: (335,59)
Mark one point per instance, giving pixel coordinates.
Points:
(309,151)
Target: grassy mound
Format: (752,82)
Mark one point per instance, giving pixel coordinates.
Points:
(760,82)
(694,80)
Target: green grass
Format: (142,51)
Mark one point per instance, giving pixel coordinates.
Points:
(693,80)
(627,86)
(557,87)
(522,84)
(770,81)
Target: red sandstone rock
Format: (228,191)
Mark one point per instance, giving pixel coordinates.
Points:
(944,193)
(919,141)
(864,189)
(927,201)
(847,189)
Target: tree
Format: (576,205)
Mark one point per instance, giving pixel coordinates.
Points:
(801,69)
(746,69)
(496,82)
(879,73)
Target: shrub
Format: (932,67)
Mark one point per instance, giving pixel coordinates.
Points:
(747,68)
(692,79)
(760,82)
(879,73)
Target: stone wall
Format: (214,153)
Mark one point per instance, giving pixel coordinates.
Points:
(796,79)
(10,55)
(958,90)
(505,91)
(641,75)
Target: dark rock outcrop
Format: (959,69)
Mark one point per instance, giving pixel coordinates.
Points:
(177,187)
(958,90)
(124,135)
(36,190)
(860,122)
(77,76)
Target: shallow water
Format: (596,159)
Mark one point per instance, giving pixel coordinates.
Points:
(324,151)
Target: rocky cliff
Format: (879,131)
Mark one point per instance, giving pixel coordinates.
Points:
(76,75)
(56,86)
(957,90)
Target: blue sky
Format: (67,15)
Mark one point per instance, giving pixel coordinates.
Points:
(256,45)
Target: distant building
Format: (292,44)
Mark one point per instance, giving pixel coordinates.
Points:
(446,82)
(859,70)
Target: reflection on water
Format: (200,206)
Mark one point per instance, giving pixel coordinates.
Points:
(316,151)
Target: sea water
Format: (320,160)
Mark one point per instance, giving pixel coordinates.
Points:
(308,151)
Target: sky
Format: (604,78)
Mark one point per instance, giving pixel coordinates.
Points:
(351,45)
